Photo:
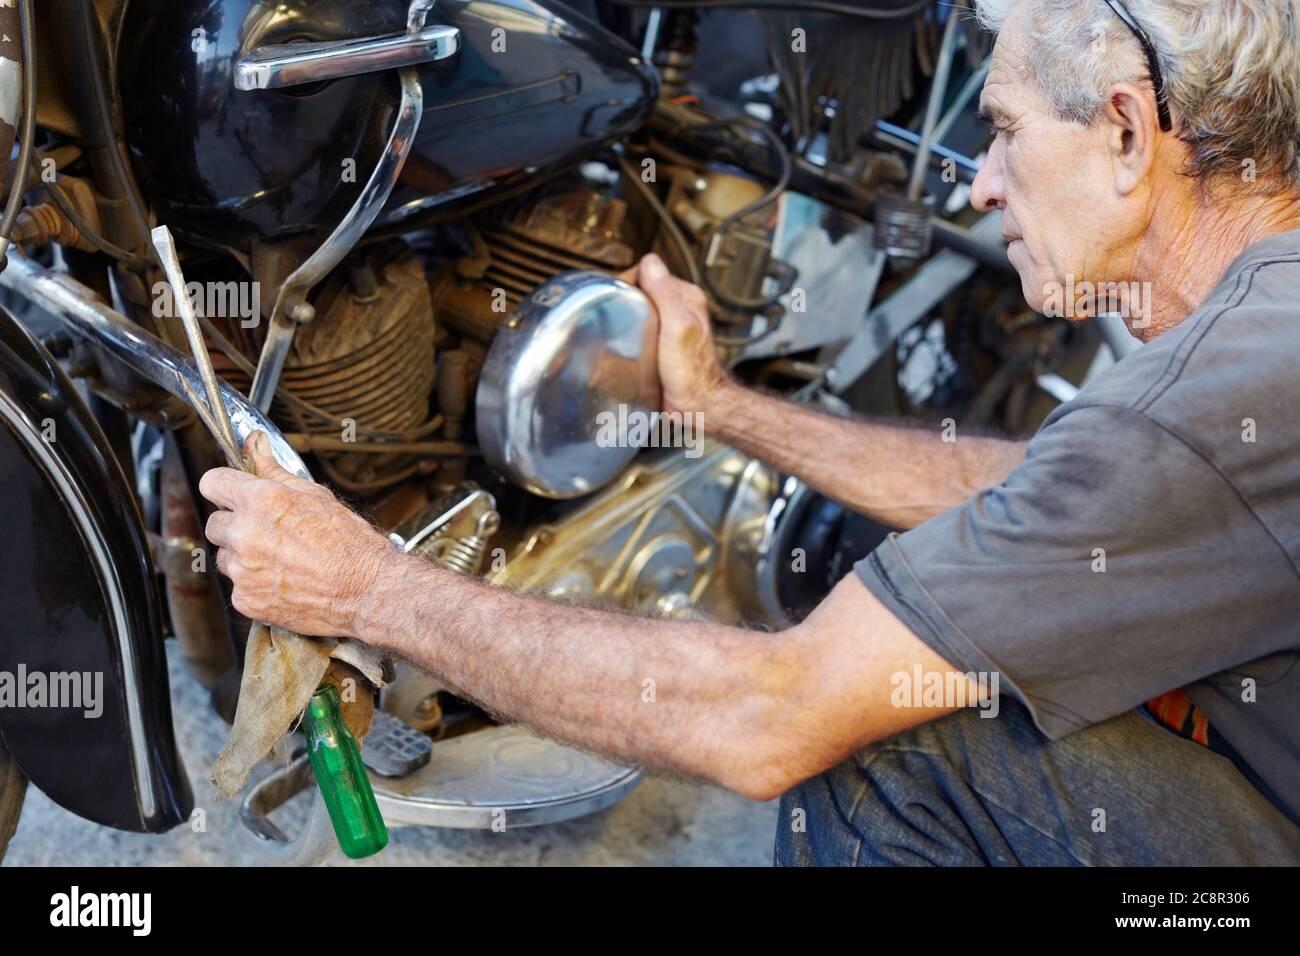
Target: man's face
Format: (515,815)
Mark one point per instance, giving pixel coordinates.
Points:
(1051,178)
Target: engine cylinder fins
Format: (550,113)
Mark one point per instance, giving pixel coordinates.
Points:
(366,361)
(524,245)
(552,234)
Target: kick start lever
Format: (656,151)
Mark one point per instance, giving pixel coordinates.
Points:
(333,750)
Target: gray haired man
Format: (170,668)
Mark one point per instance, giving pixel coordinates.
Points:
(1132,567)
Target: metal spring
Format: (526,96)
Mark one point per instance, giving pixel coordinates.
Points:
(465,555)
(903,226)
(676,60)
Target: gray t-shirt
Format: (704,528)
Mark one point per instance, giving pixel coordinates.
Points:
(1180,467)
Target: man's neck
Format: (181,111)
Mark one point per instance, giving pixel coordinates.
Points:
(1185,254)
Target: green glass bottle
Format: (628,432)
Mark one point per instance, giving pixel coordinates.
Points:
(340,774)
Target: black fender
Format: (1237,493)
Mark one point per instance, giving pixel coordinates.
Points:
(78,596)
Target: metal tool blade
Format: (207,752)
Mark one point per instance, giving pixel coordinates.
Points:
(218,416)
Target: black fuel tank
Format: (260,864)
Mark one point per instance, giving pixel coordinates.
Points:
(533,86)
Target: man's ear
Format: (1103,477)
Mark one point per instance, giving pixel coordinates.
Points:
(1132,130)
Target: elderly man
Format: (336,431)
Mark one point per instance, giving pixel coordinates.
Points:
(1127,579)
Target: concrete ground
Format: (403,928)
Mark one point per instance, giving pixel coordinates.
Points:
(661,823)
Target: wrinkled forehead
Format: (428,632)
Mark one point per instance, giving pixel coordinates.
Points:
(1010,83)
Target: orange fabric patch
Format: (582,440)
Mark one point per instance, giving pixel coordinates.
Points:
(1175,710)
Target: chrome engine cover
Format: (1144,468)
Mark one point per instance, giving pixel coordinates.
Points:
(580,346)
(674,536)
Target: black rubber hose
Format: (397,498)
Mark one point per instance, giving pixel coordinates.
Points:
(18,182)
(103,109)
(783,180)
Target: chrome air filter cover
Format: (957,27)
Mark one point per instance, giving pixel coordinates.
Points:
(564,375)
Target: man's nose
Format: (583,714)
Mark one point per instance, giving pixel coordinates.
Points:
(986,190)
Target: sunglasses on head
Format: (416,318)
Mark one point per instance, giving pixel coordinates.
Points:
(1153,65)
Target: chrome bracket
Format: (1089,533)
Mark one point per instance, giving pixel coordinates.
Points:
(289,301)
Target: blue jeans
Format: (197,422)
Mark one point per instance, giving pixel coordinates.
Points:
(972,791)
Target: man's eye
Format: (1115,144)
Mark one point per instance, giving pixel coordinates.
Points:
(994,125)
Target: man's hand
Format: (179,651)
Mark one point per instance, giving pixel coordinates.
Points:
(297,556)
(689,370)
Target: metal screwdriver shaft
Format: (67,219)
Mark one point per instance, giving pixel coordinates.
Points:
(334,753)
(217,414)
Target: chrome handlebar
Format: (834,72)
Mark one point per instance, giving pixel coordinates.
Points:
(283,65)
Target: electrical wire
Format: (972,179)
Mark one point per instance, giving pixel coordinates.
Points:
(105,115)
(783,180)
(699,271)
(809,6)
(18,184)
(60,199)
(670,225)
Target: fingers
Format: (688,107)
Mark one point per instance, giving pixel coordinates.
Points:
(258,449)
(226,487)
(229,488)
(220,527)
(668,293)
(225,561)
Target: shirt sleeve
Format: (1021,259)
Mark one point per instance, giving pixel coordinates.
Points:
(1114,564)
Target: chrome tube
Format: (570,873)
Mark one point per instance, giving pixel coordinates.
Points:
(339,243)
(283,323)
(80,310)
(938,89)
(293,64)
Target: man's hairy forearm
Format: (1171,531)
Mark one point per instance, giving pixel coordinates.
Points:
(897,474)
(697,698)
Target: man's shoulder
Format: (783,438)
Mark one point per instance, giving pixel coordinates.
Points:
(1244,340)
(1224,383)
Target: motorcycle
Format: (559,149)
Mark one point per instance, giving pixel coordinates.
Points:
(367,198)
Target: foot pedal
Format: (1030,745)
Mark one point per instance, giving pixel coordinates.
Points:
(393,748)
